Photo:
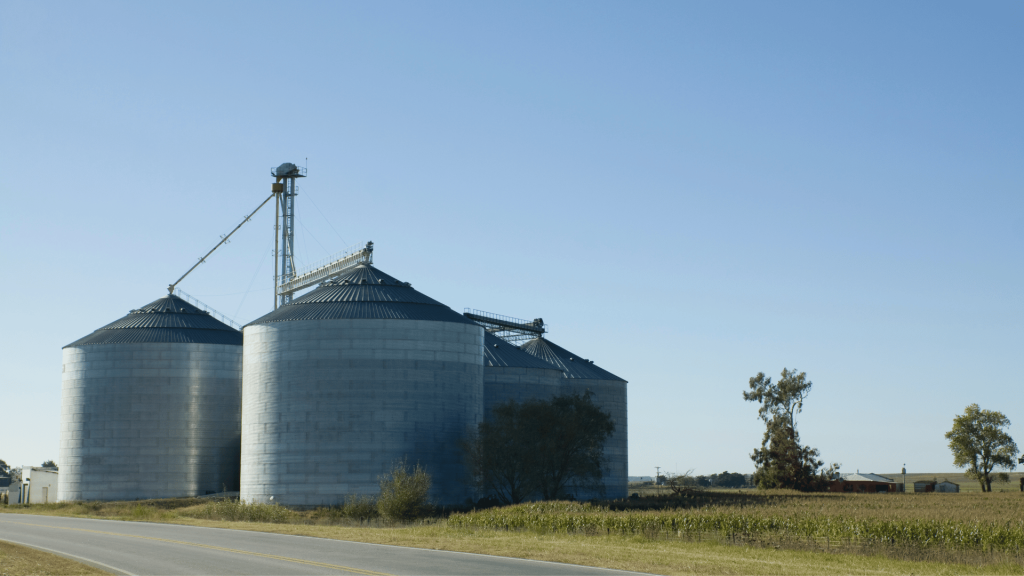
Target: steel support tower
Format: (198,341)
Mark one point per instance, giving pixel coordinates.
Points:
(284,228)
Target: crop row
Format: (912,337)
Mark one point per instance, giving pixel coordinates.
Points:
(584,518)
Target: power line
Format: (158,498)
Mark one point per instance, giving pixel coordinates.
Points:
(310,232)
(343,242)
(255,274)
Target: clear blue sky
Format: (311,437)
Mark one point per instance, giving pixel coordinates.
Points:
(688,193)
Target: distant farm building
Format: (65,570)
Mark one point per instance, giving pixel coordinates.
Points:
(933,486)
(36,486)
(863,483)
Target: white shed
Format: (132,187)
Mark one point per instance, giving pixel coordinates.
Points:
(947,487)
(37,486)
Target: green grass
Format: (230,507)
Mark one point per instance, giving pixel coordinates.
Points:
(637,553)
(25,561)
(724,532)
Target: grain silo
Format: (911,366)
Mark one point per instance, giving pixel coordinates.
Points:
(151,406)
(511,374)
(609,394)
(342,382)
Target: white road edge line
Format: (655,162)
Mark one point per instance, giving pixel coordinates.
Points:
(66,555)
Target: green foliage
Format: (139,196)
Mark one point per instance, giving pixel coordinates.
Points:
(573,432)
(572,517)
(782,400)
(980,444)
(539,447)
(354,508)
(502,458)
(5,470)
(50,464)
(781,461)
(360,507)
(238,511)
(403,493)
(725,480)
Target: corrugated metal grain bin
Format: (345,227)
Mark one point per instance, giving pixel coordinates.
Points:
(151,406)
(610,394)
(346,380)
(511,374)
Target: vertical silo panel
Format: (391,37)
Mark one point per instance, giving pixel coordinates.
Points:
(334,394)
(152,436)
(364,409)
(146,416)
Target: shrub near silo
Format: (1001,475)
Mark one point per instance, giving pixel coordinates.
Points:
(360,508)
(403,493)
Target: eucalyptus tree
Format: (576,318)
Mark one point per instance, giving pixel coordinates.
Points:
(782,462)
(980,444)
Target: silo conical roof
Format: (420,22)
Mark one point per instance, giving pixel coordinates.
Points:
(168,319)
(572,365)
(363,292)
(501,354)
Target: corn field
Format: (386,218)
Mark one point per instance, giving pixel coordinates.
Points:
(571,517)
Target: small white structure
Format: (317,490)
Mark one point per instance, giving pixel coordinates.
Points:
(37,486)
(947,487)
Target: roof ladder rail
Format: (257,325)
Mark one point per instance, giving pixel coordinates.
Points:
(513,330)
(323,272)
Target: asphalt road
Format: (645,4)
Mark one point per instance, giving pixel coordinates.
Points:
(142,548)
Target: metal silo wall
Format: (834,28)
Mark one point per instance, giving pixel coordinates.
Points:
(504,383)
(610,396)
(149,420)
(330,405)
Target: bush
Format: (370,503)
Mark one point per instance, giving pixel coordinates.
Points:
(403,493)
(240,511)
(360,508)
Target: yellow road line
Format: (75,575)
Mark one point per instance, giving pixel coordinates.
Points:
(197,545)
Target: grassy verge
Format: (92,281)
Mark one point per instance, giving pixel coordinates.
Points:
(638,552)
(22,561)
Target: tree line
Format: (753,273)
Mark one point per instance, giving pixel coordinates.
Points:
(979,441)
